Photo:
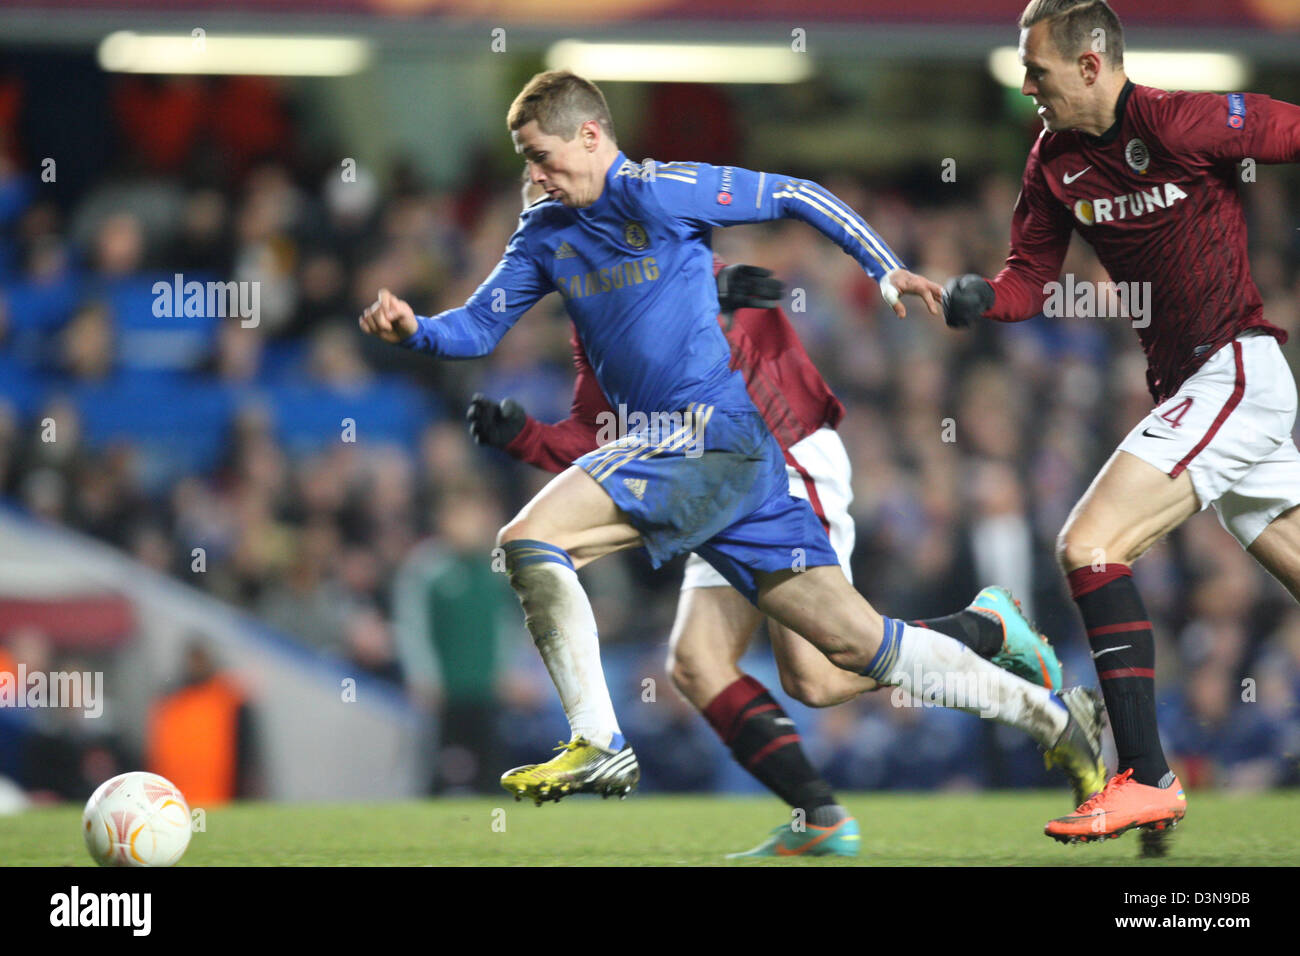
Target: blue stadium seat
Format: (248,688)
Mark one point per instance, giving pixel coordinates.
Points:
(15,195)
(8,260)
(20,385)
(180,427)
(42,307)
(282,360)
(308,416)
(172,340)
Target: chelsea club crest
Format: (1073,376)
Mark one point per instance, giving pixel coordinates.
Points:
(634,235)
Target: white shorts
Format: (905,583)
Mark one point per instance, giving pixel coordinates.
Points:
(1229,427)
(819,472)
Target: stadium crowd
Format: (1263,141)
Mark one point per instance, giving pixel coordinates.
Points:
(968,449)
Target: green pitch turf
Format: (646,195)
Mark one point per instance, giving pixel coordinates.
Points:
(997,829)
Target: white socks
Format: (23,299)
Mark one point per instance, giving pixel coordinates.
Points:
(938,670)
(558,615)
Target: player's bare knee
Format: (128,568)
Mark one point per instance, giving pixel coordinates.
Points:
(792,685)
(684,677)
(520,528)
(809,687)
(1075,551)
(1062,552)
(809,691)
(680,661)
(694,679)
(1097,552)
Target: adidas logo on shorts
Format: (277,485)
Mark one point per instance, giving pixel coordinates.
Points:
(636,486)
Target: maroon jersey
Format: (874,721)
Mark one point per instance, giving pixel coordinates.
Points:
(783,383)
(1156,197)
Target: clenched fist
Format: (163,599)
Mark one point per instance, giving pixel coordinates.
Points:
(389,318)
(742,286)
(495,424)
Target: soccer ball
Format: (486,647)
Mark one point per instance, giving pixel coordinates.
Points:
(136,819)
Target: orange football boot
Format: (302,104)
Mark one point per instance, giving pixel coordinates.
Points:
(1121,806)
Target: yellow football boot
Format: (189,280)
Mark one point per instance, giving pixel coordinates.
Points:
(581,767)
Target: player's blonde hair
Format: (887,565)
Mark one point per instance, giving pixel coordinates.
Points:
(560,102)
(1077,25)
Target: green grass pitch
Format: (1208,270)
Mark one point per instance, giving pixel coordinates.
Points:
(985,829)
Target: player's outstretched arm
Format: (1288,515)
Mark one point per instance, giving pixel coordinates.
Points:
(475,328)
(1040,237)
(698,195)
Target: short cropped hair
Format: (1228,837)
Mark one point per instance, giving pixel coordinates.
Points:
(560,102)
(1076,25)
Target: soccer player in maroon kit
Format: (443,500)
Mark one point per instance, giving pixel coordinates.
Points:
(1148,178)
(715,623)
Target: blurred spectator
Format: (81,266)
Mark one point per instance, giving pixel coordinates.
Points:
(308,602)
(674,746)
(64,755)
(204,243)
(878,742)
(119,246)
(88,343)
(201,735)
(107,500)
(454,617)
(333,359)
(370,645)
(238,358)
(1219,735)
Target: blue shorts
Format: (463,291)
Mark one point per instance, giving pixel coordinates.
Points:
(714,483)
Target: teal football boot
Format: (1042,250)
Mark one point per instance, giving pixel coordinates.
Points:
(1025,652)
(842,839)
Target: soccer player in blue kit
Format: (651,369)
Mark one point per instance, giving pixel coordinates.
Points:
(627,245)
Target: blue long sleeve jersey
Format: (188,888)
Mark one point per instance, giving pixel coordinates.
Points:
(635,269)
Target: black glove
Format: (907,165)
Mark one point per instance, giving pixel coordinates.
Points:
(965,299)
(494,424)
(748,287)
